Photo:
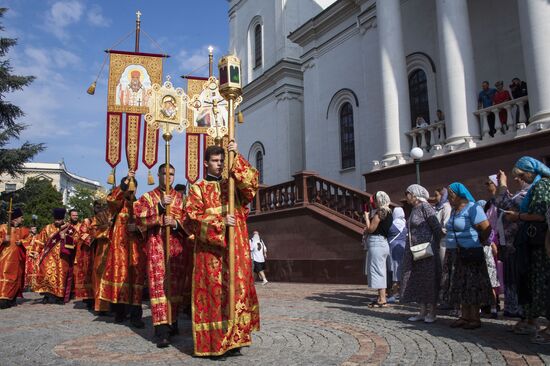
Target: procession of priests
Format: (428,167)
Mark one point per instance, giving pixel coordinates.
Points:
(169,248)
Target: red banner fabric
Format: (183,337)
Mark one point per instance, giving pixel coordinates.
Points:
(132,140)
(113,143)
(150,146)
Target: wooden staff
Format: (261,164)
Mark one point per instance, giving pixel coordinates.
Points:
(167,136)
(10,212)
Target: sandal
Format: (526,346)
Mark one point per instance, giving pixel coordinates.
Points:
(542,337)
(376,304)
(460,322)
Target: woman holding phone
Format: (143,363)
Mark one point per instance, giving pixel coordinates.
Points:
(378,222)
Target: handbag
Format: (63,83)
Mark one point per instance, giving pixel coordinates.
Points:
(535,233)
(468,255)
(422,250)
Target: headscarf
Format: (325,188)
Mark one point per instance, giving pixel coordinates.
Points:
(531,165)
(493,179)
(444,199)
(399,218)
(461,191)
(419,192)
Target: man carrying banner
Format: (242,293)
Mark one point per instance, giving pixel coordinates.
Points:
(124,275)
(206,210)
(54,274)
(165,283)
(12,259)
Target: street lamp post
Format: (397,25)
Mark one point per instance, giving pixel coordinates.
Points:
(417,154)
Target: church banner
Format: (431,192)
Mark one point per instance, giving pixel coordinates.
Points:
(131,77)
(132,140)
(114,138)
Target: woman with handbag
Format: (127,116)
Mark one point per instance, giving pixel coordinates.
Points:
(377,230)
(532,260)
(468,230)
(421,264)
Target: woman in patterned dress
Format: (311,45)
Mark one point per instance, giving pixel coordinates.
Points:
(421,278)
(532,260)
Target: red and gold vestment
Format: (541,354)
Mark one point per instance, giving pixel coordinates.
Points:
(54,266)
(207,204)
(124,274)
(149,217)
(12,261)
(83,262)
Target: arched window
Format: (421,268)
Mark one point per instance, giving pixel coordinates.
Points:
(418,95)
(260,165)
(258,45)
(347,139)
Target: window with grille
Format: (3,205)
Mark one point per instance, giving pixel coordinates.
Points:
(258,46)
(347,138)
(418,95)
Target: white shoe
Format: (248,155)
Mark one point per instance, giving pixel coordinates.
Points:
(429,319)
(417,318)
(263,283)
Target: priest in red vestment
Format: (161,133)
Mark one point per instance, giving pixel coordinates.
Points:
(54,275)
(12,259)
(123,278)
(165,283)
(83,259)
(206,209)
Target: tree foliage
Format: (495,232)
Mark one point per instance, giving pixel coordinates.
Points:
(82,200)
(38,197)
(12,158)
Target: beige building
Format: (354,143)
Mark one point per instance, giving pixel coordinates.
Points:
(57,173)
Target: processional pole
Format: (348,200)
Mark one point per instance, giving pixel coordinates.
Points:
(230,88)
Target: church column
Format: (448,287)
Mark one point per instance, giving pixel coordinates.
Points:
(458,70)
(395,86)
(534,22)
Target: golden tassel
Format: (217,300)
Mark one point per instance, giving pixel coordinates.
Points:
(91,89)
(111,178)
(131,185)
(240,117)
(150,179)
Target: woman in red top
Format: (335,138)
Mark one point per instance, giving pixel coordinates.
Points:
(501,96)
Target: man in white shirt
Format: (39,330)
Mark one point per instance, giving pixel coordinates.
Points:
(258,252)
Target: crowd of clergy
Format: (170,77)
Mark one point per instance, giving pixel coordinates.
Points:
(172,248)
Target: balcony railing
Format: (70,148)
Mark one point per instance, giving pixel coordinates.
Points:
(426,137)
(509,109)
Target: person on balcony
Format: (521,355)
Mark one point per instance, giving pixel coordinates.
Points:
(378,222)
(519,89)
(421,122)
(485,100)
(501,96)
(422,276)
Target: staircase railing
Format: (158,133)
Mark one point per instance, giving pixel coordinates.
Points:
(308,188)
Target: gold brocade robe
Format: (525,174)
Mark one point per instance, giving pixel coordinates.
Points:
(149,218)
(12,261)
(124,274)
(99,233)
(83,262)
(213,332)
(54,265)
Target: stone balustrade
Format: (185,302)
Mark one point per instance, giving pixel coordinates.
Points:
(428,136)
(510,107)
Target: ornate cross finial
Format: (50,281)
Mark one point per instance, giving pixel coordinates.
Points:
(138,14)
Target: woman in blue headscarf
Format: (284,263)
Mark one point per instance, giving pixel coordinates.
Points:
(467,231)
(533,262)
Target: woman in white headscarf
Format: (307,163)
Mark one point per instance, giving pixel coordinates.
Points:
(397,239)
(378,222)
(421,278)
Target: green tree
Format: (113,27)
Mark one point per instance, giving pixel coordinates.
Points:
(12,158)
(38,197)
(82,200)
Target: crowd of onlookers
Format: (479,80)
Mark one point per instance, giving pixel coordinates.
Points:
(489,97)
(453,253)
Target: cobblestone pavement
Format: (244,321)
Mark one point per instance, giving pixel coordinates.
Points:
(301,325)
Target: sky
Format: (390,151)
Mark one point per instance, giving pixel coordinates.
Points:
(61,43)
